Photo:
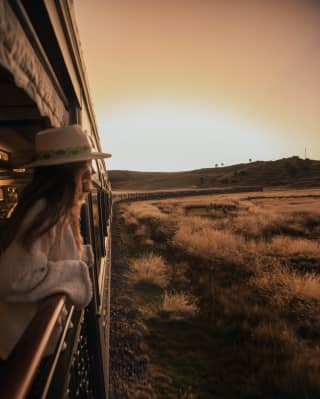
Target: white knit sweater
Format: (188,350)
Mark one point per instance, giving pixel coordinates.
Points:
(53,265)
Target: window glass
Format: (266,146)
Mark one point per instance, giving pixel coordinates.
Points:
(96,223)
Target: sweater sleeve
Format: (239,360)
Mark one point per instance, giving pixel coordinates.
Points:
(28,276)
(70,277)
(87,255)
(33,277)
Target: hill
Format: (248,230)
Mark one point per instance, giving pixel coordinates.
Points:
(291,172)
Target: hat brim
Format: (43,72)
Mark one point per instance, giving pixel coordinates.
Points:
(66,160)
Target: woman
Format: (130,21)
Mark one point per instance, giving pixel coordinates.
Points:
(42,252)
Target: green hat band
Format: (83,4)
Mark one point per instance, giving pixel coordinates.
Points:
(63,152)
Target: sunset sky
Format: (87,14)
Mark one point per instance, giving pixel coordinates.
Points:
(185,84)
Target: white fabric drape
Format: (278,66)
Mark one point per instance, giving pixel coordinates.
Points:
(19,58)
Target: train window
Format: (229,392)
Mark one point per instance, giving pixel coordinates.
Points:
(105,212)
(102,213)
(103,221)
(96,224)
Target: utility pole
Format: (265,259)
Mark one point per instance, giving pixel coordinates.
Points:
(305,153)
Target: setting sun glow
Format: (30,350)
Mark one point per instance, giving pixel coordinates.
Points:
(181,85)
(170,136)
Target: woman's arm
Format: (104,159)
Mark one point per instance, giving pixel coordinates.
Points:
(28,276)
(70,277)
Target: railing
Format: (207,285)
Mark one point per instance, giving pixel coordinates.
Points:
(21,367)
(78,368)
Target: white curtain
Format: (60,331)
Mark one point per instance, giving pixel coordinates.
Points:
(19,58)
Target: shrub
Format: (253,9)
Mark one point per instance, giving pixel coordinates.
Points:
(135,212)
(178,302)
(150,269)
(286,246)
(200,239)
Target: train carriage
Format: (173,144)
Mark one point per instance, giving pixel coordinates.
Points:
(43,84)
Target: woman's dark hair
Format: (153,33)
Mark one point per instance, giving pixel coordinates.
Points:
(60,187)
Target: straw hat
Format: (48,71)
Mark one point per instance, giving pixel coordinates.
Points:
(62,145)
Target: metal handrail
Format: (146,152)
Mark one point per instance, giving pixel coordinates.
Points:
(22,365)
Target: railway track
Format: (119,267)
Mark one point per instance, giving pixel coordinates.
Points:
(128,363)
(138,196)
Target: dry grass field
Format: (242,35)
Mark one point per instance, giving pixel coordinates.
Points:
(229,289)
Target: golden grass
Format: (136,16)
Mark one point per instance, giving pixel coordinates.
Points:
(283,284)
(274,302)
(137,211)
(151,269)
(287,246)
(198,238)
(179,303)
